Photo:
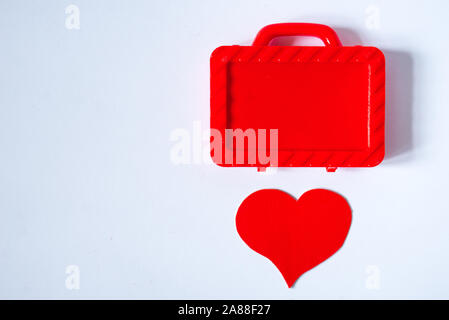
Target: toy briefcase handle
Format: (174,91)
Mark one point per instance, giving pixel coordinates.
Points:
(325,33)
(297,106)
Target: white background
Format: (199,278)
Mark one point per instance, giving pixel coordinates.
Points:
(86,177)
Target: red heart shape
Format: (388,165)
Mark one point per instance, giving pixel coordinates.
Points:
(295,235)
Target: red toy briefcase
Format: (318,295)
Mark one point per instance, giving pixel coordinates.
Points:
(296,106)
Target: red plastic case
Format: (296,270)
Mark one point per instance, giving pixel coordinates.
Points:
(327,103)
